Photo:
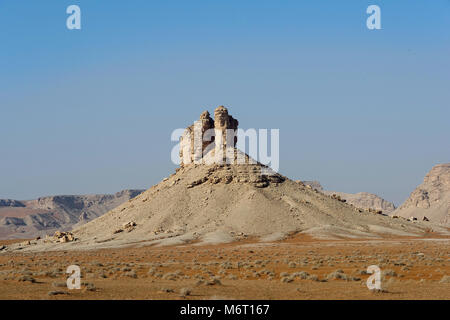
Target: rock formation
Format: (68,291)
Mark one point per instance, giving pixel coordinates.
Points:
(431,199)
(31,218)
(313,184)
(366,201)
(208,136)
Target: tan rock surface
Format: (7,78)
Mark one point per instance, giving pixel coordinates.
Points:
(218,134)
(431,199)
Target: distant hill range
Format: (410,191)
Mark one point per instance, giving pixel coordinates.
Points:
(431,199)
(32,218)
(363,200)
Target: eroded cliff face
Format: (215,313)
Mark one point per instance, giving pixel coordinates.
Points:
(431,199)
(208,136)
(20,219)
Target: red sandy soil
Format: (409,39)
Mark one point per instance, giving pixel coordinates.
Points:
(415,269)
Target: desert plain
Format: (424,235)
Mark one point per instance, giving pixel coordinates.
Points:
(298,267)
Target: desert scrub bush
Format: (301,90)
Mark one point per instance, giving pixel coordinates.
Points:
(151,271)
(53,274)
(214,281)
(179,273)
(200,282)
(378,291)
(292,264)
(313,277)
(131,274)
(185,292)
(88,286)
(226,265)
(170,276)
(26,279)
(337,275)
(54,293)
(287,279)
(222,272)
(59,284)
(301,275)
(166,290)
(232,277)
(445,279)
(388,272)
(361,272)
(26,272)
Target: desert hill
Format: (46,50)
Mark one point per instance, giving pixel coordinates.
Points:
(224,203)
(431,199)
(363,200)
(31,218)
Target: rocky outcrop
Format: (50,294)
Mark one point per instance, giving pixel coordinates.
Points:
(31,218)
(208,136)
(363,200)
(195,139)
(61,237)
(225,127)
(431,199)
(313,184)
(228,174)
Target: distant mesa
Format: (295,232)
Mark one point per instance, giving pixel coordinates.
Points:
(32,218)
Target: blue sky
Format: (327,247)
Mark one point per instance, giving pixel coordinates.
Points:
(92,110)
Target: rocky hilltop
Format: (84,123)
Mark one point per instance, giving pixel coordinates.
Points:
(431,199)
(31,218)
(363,200)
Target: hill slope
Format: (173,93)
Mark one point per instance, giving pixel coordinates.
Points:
(217,203)
(431,199)
(363,200)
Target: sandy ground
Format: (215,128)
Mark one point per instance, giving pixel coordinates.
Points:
(295,268)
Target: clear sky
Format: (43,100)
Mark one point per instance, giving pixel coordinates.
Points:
(92,110)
